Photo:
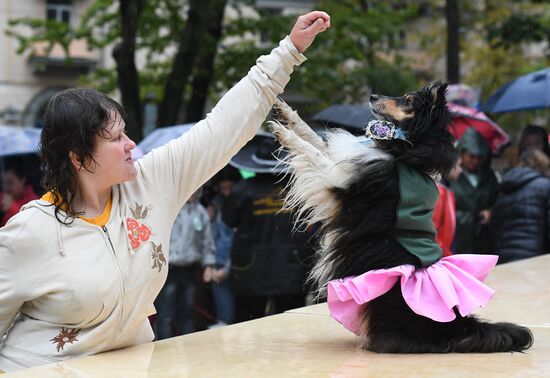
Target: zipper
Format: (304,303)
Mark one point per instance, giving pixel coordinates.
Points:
(121,276)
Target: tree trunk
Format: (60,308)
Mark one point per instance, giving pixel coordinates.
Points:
(453,48)
(189,44)
(127,74)
(204,70)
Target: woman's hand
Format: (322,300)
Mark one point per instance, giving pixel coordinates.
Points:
(219,275)
(207,274)
(485,216)
(307,27)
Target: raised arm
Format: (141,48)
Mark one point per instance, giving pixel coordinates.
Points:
(184,164)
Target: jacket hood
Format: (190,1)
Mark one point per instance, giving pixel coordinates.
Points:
(472,142)
(518,178)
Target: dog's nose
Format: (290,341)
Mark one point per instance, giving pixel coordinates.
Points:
(374,98)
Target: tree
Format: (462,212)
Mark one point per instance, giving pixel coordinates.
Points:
(452,15)
(204,69)
(132,25)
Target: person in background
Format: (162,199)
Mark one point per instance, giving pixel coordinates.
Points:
(475,192)
(191,253)
(269,257)
(444,215)
(224,181)
(520,226)
(534,137)
(16,191)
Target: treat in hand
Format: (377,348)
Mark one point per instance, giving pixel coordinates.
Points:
(307,27)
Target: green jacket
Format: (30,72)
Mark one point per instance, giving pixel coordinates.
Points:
(414,214)
(471,236)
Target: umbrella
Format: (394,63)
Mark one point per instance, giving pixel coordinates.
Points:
(531,91)
(18,140)
(464,117)
(161,136)
(354,117)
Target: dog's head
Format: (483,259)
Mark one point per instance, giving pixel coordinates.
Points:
(425,118)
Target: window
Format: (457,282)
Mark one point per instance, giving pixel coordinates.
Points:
(59,10)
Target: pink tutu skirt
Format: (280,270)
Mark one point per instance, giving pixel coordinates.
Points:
(431,292)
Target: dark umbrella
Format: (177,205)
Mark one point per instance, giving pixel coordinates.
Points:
(531,91)
(354,117)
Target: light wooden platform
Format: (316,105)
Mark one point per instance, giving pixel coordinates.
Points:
(306,342)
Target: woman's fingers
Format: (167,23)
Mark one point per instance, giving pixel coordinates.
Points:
(307,27)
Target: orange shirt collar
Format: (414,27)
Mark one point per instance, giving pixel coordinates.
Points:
(100,220)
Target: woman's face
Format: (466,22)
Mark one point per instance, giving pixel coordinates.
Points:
(112,154)
(470,162)
(533,141)
(13,185)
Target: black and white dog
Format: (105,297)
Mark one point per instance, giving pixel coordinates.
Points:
(351,188)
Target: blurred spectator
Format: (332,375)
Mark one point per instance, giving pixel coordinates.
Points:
(268,256)
(223,236)
(191,251)
(534,137)
(17,191)
(519,228)
(444,215)
(475,193)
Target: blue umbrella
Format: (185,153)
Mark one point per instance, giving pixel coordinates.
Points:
(162,135)
(531,91)
(18,140)
(354,117)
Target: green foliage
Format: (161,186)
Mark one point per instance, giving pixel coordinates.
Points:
(344,63)
(359,53)
(525,21)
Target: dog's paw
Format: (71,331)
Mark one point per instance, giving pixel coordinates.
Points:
(282,111)
(280,132)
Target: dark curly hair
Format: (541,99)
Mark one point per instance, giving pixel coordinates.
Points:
(72,120)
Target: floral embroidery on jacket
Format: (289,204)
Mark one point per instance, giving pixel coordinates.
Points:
(66,335)
(138,233)
(158,257)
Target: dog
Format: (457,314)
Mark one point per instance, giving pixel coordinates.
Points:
(352,187)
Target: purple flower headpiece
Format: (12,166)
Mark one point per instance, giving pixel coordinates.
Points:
(384,130)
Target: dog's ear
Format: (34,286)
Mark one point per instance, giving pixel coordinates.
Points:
(438,91)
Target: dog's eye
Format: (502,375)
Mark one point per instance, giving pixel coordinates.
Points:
(408,101)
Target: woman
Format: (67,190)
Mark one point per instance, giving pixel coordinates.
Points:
(80,268)
(519,227)
(534,137)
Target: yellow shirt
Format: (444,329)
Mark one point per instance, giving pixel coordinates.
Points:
(100,220)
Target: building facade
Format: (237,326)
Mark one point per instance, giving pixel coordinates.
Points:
(27,80)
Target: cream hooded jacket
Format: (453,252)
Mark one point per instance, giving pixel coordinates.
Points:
(68,291)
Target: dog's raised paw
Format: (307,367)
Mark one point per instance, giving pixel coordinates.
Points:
(279,131)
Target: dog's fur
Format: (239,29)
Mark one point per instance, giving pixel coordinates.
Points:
(351,189)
